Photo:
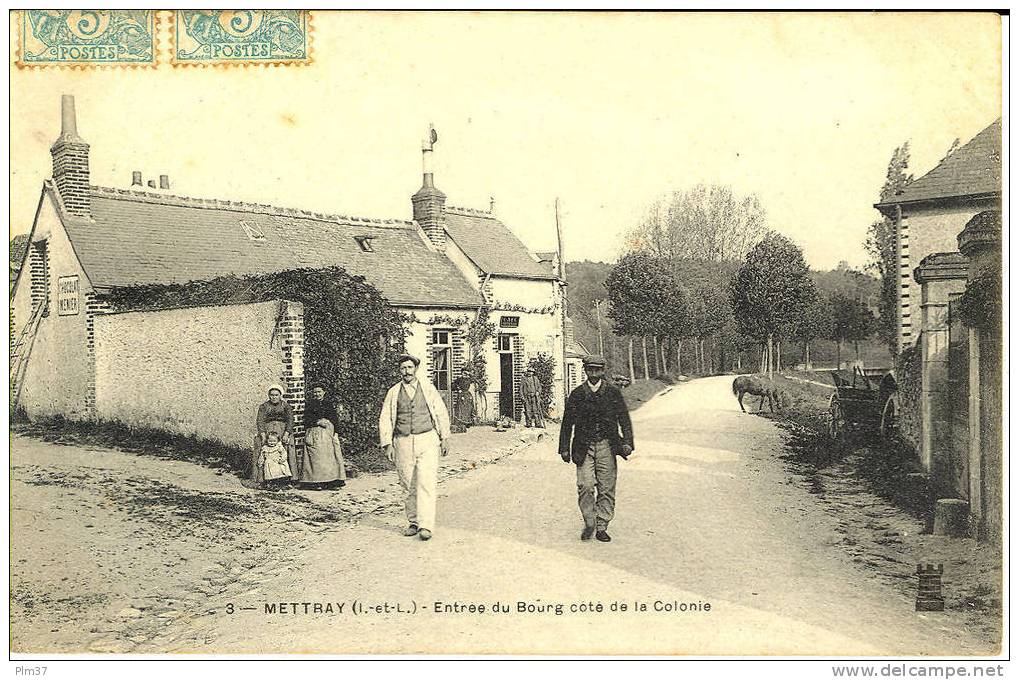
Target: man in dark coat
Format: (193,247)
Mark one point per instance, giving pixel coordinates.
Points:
(531,388)
(598,421)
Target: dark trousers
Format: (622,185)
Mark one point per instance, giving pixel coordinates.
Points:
(532,410)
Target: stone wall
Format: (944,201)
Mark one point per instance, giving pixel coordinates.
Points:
(990,423)
(198,371)
(907,375)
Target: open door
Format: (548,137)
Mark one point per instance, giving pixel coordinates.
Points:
(507,406)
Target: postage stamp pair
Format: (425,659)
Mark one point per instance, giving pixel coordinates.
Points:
(130,37)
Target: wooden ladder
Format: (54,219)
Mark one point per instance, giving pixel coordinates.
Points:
(20,352)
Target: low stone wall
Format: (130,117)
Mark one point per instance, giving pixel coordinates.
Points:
(907,375)
(198,371)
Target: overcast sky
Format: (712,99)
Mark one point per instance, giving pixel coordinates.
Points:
(602,110)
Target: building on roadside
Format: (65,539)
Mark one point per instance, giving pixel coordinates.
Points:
(76,359)
(948,229)
(931,210)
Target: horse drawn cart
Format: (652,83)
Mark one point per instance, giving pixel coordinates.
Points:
(863,402)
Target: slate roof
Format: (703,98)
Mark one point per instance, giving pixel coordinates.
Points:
(971,170)
(148,238)
(491,245)
(576,350)
(547,259)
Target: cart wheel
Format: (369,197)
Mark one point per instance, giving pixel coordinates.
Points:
(837,422)
(889,418)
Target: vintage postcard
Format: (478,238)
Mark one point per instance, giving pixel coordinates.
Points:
(507,333)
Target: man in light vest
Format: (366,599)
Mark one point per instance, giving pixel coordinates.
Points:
(413,429)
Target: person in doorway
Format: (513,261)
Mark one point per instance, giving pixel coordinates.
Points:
(596,428)
(463,401)
(273,415)
(321,466)
(531,388)
(413,430)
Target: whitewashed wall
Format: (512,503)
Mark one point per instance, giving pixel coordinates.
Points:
(542,331)
(200,371)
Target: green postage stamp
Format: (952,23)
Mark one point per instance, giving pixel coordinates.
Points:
(240,36)
(82,38)
(53,37)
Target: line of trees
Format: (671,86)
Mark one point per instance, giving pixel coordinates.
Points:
(702,273)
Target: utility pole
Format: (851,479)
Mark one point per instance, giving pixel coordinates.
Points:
(597,311)
(562,293)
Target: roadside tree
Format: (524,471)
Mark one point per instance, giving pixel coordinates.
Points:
(639,290)
(851,322)
(770,293)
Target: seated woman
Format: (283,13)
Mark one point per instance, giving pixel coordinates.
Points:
(274,415)
(321,465)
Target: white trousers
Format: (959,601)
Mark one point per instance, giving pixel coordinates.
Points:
(417,463)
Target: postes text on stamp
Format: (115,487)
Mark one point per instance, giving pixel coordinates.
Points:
(241,36)
(52,37)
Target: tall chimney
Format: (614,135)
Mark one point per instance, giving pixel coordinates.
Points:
(164,181)
(136,178)
(429,203)
(70,163)
(151,183)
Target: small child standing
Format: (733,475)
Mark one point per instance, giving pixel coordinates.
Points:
(273,461)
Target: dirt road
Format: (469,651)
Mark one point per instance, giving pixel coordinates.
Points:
(715,550)
(706,516)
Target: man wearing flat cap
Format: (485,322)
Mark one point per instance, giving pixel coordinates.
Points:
(597,420)
(413,429)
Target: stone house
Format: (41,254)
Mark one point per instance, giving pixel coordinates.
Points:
(931,210)
(203,370)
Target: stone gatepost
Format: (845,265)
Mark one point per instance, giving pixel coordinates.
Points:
(941,276)
(980,242)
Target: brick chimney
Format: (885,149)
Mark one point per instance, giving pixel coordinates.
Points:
(429,203)
(70,163)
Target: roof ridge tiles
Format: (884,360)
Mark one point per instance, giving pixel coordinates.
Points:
(243,206)
(459,210)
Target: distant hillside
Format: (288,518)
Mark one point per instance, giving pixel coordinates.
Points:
(849,282)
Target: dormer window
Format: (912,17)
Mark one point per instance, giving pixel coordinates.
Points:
(252,230)
(365,243)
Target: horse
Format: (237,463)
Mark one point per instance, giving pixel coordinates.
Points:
(748,384)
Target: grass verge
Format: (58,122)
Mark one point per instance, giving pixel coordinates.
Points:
(146,440)
(888,465)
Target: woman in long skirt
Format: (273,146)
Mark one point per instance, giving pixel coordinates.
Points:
(321,465)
